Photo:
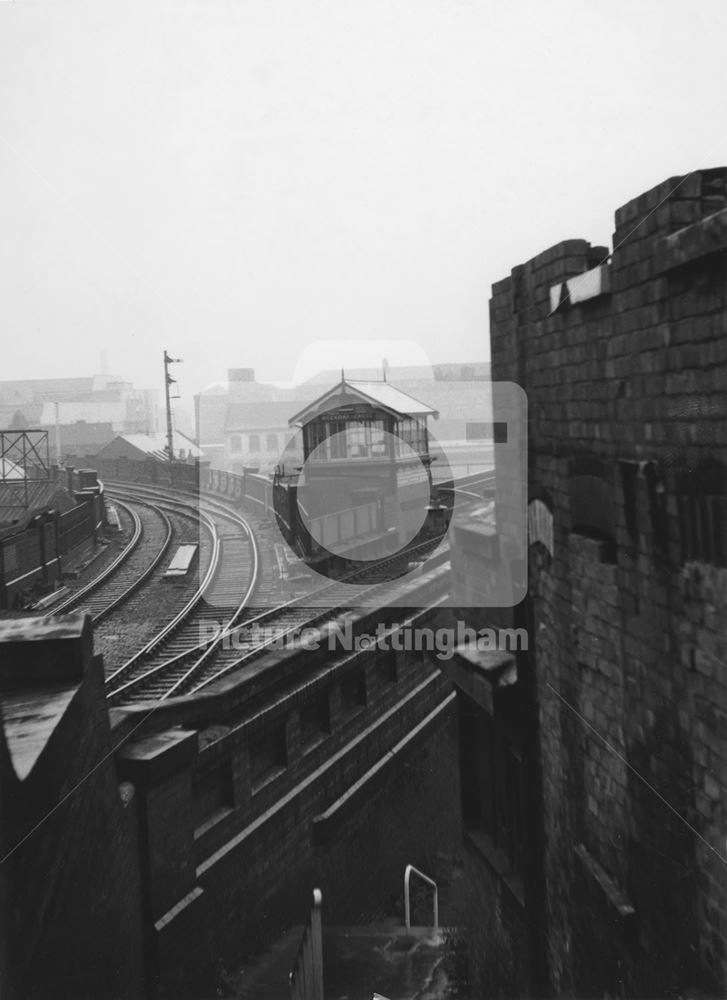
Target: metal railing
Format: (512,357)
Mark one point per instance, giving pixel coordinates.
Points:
(408,871)
(306,977)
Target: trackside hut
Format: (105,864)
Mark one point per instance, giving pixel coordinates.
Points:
(365,443)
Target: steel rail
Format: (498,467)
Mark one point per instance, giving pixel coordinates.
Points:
(321,615)
(145,574)
(74,599)
(209,646)
(156,640)
(186,612)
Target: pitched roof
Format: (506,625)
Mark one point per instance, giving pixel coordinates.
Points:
(152,445)
(391,398)
(40,495)
(381,394)
(455,400)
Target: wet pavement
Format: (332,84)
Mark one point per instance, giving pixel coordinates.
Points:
(380,958)
(358,962)
(361,961)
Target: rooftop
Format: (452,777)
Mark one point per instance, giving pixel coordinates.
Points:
(381,394)
(154,445)
(20,498)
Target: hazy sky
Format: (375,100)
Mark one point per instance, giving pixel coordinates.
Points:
(235,180)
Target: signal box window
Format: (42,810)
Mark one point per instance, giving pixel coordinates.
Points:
(356,441)
(378,438)
(412,433)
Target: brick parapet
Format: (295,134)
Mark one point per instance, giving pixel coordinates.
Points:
(238,815)
(70,884)
(630,630)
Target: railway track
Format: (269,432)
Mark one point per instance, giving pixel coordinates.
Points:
(225,589)
(188,670)
(130,569)
(254,636)
(213,636)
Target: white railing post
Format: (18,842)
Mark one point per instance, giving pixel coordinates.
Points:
(407,905)
(317,944)
(306,977)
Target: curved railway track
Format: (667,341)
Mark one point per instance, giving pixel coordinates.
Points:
(130,569)
(226,586)
(182,669)
(254,636)
(178,662)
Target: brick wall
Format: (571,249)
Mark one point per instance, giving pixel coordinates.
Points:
(70,886)
(280,796)
(497,935)
(402,811)
(157,868)
(625,374)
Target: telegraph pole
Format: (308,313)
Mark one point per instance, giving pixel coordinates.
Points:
(168,380)
(57,437)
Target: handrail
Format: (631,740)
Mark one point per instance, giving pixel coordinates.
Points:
(407,907)
(306,976)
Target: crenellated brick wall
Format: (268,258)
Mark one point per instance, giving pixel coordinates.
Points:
(624,361)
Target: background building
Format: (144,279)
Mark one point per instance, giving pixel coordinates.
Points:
(245,423)
(149,447)
(80,414)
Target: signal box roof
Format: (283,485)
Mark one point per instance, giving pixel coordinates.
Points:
(382,395)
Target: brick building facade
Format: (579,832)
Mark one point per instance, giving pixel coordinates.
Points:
(616,884)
